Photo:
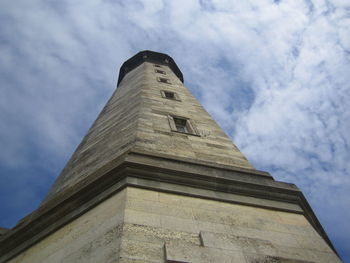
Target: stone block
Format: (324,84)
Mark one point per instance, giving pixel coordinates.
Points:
(179,224)
(159,208)
(142,218)
(307,230)
(231,242)
(176,200)
(207,216)
(278,238)
(132,260)
(156,235)
(142,194)
(321,257)
(297,254)
(256,258)
(184,253)
(220,240)
(313,242)
(213,227)
(292,219)
(132,249)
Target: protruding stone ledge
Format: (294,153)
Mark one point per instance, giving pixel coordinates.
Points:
(156,174)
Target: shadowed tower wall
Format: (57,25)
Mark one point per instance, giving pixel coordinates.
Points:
(156,180)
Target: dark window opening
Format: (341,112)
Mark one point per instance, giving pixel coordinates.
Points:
(164,80)
(157,66)
(181,125)
(169,95)
(160,71)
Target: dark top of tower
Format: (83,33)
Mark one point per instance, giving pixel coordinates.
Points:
(148,56)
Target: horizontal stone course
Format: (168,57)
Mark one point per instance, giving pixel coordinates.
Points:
(176,251)
(139,225)
(133,249)
(255,234)
(158,235)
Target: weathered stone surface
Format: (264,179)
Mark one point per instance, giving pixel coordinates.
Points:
(157,235)
(259,234)
(231,242)
(176,251)
(142,218)
(134,249)
(251,258)
(93,237)
(265,250)
(180,228)
(129,121)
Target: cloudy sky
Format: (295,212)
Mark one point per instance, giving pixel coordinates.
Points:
(274,74)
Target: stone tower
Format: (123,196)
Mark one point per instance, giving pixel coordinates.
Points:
(156,180)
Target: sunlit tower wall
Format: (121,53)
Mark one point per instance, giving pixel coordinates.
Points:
(155,179)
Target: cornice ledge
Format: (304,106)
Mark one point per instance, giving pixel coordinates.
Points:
(81,197)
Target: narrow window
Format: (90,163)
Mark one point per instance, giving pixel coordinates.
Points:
(170,95)
(164,80)
(182,125)
(157,66)
(160,71)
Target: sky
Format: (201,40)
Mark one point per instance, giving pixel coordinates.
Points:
(274,74)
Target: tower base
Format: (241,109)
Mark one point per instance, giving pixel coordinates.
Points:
(154,209)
